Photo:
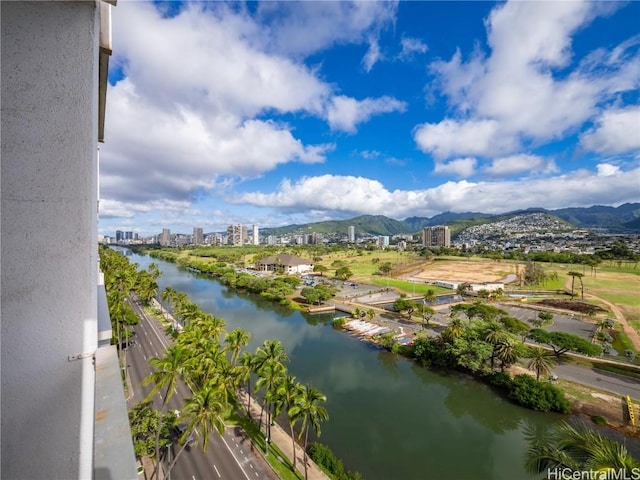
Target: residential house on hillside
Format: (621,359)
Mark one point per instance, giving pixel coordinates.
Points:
(285,262)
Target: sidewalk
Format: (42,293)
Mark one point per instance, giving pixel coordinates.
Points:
(283,440)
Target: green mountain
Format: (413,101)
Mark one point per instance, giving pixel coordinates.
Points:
(622,219)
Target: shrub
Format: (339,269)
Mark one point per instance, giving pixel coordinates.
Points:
(326,459)
(339,322)
(544,397)
(599,420)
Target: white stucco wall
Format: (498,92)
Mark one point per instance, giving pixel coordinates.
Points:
(48,233)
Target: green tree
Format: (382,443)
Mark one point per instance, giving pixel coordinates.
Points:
(577,449)
(309,411)
(235,340)
(343,273)
(579,276)
(288,392)
(204,413)
(404,305)
(540,361)
(318,267)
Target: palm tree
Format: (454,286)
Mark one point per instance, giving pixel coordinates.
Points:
(288,392)
(573,279)
(168,370)
(508,354)
(310,412)
(247,363)
(541,361)
(235,340)
(455,329)
(270,375)
(204,412)
(494,334)
(577,449)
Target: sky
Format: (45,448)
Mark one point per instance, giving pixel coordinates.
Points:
(279,113)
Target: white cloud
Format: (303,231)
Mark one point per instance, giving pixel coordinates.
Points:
(373,54)
(616,131)
(517,164)
(460,167)
(196,92)
(607,170)
(344,113)
(359,195)
(474,137)
(303,28)
(528,84)
(411,47)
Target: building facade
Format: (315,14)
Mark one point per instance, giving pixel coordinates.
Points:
(198,236)
(165,237)
(237,234)
(437,236)
(55,58)
(351,234)
(256,235)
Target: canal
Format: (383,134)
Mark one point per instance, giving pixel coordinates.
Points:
(389,418)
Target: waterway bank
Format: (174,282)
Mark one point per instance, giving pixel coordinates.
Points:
(389,417)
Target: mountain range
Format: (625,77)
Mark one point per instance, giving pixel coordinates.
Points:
(622,219)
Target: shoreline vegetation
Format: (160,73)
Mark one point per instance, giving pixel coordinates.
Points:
(521,388)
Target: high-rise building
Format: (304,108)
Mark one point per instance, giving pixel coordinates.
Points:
(63,408)
(237,234)
(352,234)
(383,241)
(198,236)
(256,235)
(437,236)
(165,237)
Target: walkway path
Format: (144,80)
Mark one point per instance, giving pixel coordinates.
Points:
(283,440)
(631,332)
(278,436)
(628,329)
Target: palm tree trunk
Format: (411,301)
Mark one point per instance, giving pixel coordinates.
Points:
(293,442)
(306,440)
(249,397)
(176,457)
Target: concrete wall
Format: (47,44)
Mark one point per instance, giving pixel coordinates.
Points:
(48,236)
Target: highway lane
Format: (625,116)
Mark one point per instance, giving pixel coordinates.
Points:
(224,455)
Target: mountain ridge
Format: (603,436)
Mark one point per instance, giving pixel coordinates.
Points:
(622,219)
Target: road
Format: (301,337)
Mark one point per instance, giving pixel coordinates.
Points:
(227,457)
(599,379)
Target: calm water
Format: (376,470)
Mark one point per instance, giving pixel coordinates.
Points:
(389,418)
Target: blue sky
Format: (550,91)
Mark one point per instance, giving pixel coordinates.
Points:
(278,113)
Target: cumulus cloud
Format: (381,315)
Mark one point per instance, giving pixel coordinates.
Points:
(518,164)
(411,47)
(460,167)
(196,86)
(360,195)
(607,170)
(616,131)
(344,113)
(303,28)
(474,137)
(527,84)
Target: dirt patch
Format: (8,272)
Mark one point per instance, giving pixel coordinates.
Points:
(572,305)
(466,271)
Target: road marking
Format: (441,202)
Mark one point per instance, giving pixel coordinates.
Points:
(246,460)
(234,457)
(216,469)
(257,474)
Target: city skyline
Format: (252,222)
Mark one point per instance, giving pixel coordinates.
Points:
(281,113)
